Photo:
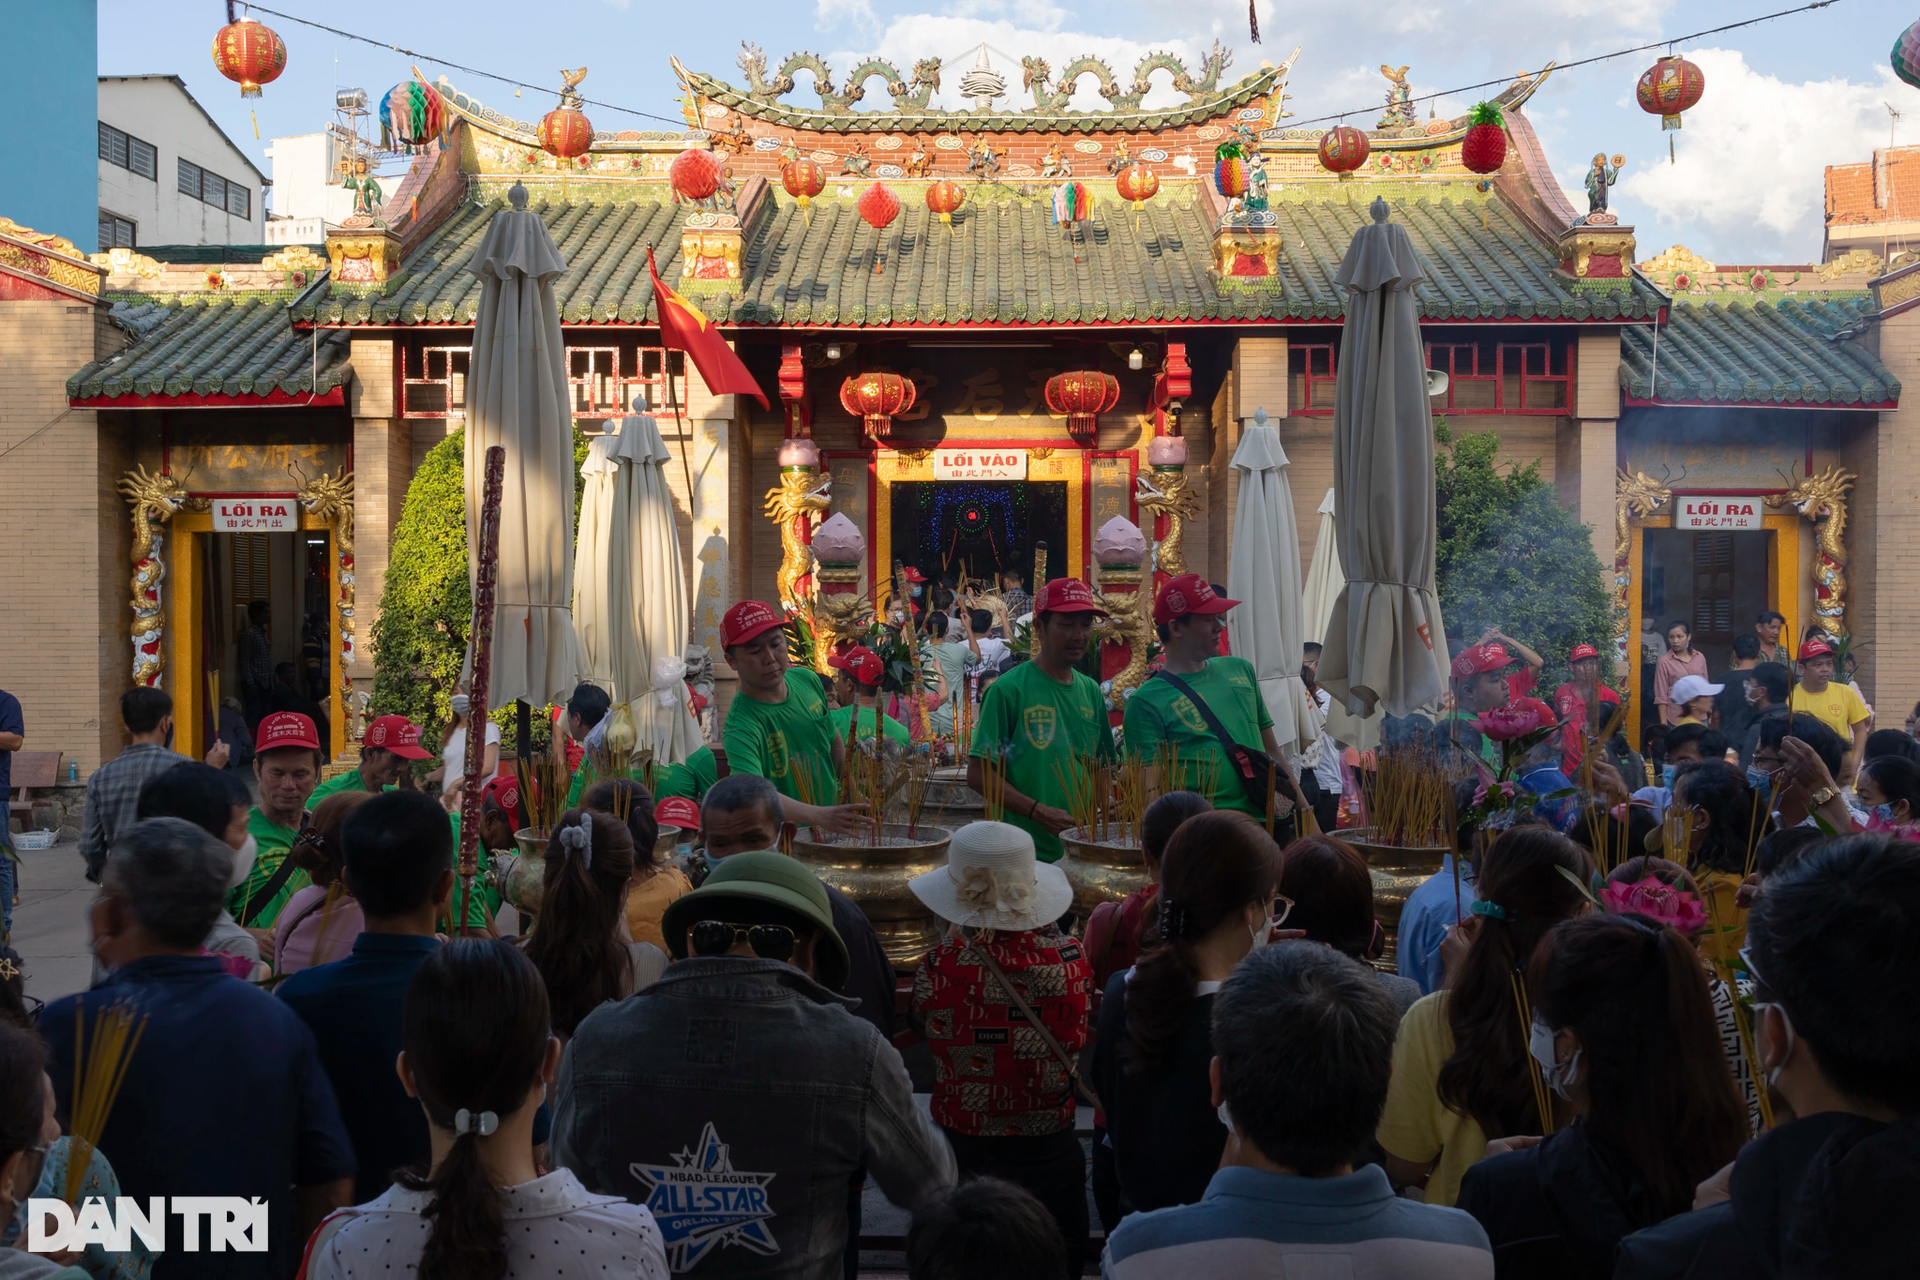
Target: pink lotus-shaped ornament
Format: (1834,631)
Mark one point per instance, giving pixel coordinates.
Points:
(839,541)
(1167,451)
(1119,542)
(1654,898)
(1503,724)
(799,452)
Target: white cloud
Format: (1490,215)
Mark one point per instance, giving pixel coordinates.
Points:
(1748,181)
(832,13)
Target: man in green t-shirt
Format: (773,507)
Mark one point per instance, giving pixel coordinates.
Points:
(1038,718)
(389,743)
(858,687)
(778,727)
(691,778)
(1190,618)
(286,763)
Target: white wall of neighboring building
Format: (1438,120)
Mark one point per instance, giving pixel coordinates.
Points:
(157,109)
(305,186)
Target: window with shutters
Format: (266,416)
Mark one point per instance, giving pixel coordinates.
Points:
(1713,587)
(1488,376)
(434,384)
(252,573)
(130,153)
(205,185)
(116,232)
(189,179)
(239,201)
(1310,377)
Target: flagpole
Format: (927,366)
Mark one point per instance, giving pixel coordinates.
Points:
(673,399)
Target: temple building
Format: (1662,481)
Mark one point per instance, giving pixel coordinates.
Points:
(218,434)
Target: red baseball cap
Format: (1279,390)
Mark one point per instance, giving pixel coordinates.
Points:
(860,662)
(746,620)
(1815,648)
(678,811)
(1581,651)
(1188,593)
(505,792)
(396,734)
(912,574)
(1066,595)
(1478,659)
(285,729)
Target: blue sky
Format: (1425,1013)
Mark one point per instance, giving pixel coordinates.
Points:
(1783,99)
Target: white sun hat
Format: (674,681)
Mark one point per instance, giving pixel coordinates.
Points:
(993,881)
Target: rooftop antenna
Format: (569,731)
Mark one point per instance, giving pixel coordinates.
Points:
(1893,120)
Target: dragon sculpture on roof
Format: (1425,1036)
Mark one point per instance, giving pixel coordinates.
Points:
(915,93)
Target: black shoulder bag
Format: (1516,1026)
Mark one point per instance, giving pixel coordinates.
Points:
(1257,771)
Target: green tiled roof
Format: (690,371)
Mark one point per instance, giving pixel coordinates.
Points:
(244,345)
(1796,351)
(1001,262)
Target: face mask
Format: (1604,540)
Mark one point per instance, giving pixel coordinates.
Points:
(1540,1044)
(1262,933)
(1225,1117)
(1759,779)
(1754,693)
(243,862)
(1667,774)
(1773,1072)
(1883,813)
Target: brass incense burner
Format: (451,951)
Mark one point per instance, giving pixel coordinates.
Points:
(1100,866)
(520,876)
(1397,871)
(875,876)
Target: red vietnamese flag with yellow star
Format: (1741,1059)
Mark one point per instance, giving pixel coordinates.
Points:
(684,328)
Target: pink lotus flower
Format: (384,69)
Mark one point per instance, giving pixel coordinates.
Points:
(1654,898)
(1502,724)
(1506,790)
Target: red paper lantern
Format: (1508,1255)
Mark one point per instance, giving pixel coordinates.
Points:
(565,132)
(879,206)
(694,174)
(1668,87)
(1083,396)
(877,398)
(249,54)
(945,197)
(803,180)
(1484,149)
(1137,183)
(1344,148)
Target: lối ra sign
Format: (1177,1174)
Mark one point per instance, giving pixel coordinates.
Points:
(279,514)
(1709,512)
(980,464)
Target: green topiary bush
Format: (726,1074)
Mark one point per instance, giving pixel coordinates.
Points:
(1510,556)
(426,609)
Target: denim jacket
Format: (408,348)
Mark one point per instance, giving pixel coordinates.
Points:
(738,1099)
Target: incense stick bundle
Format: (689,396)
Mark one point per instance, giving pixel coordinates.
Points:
(1540,1099)
(993,787)
(99,1069)
(1408,797)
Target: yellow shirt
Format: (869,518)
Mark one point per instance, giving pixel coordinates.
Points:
(1417,1126)
(647,902)
(1837,706)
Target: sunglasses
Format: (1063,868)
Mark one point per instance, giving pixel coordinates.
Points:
(717,937)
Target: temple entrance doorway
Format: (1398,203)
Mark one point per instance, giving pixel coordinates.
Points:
(973,530)
(1715,581)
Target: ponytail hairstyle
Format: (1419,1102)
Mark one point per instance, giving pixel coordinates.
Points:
(475,1028)
(1524,893)
(1721,792)
(618,794)
(1662,1102)
(1215,865)
(589,860)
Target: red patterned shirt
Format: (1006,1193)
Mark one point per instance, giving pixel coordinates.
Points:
(995,1076)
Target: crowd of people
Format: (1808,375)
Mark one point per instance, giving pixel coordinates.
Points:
(1649,1020)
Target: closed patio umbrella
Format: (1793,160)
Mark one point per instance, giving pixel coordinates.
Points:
(1385,642)
(1324,578)
(630,592)
(517,397)
(1264,575)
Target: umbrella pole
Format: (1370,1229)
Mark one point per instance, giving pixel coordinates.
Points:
(483,593)
(673,400)
(523,729)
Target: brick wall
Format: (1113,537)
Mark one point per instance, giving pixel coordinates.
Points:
(383,463)
(63,633)
(1885,532)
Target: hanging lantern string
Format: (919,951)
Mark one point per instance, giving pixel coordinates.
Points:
(1665,43)
(676,121)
